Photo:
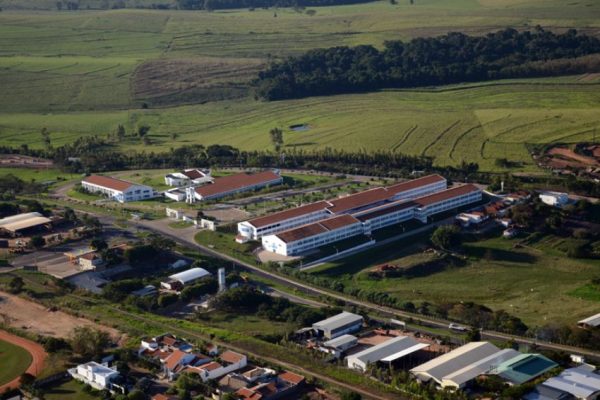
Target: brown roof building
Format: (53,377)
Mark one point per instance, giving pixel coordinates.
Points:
(233,184)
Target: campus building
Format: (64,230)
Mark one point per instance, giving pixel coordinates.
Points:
(233,184)
(117,189)
(307,237)
(364,220)
(188,177)
(366,200)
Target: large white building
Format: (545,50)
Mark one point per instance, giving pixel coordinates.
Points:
(233,184)
(188,177)
(581,382)
(117,189)
(98,376)
(364,220)
(188,277)
(284,220)
(311,236)
(554,199)
(338,325)
(388,351)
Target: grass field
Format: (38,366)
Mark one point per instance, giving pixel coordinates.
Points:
(39,175)
(14,361)
(70,390)
(83,73)
(533,284)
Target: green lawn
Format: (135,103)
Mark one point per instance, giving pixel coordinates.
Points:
(532,284)
(39,175)
(71,390)
(14,361)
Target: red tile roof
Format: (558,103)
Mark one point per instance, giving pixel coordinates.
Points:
(232,357)
(174,359)
(108,182)
(316,228)
(357,200)
(446,194)
(248,394)
(194,173)
(415,183)
(235,182)
(291,377)
(288,214)
(384,209)
(210,366)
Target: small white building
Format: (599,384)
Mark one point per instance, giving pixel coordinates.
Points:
(554,199)
(90,261)
(590,322)
(117,189)
(188,177)
(98,376)
(175,194)
(181,279)
(229,361)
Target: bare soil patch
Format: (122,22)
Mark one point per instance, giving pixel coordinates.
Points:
(33,317)
(180,81)
(568,153)
(16,160)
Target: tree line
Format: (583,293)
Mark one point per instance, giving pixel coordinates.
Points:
(451,58)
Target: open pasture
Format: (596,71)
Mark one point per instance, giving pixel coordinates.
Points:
(473,123)
(531,284)
(14,360)
(85,72)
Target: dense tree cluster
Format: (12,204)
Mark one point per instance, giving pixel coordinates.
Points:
(451,58)
(247,299)
(230,4)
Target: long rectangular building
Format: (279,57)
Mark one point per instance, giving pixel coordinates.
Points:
(311,236)
(117,189)
(358,202)
(234,184)
(307,237)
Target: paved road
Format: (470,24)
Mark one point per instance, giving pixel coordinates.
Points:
(315,291)
(191,334)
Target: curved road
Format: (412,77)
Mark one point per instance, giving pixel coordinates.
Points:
(189,241)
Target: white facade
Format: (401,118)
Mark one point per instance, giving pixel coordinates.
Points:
(554,199)
(175,194)
(133,192)
(390,350)
(423,212)
(275,244)
(188,177)
(247,229)
(215,370)
(288,219)
(98,376)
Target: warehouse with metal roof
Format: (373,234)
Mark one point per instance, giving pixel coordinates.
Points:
(463,376)
(582,382)
(179,280)
(388,351)
(590,322)
(338,325)
(20,222)
(449,363)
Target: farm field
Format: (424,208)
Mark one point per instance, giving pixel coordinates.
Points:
(14,360)
(473,123)
(186,72)
(533,284)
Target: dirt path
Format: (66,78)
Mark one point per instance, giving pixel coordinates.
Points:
(38,355)
(35,318)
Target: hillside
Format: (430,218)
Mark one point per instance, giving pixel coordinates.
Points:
(85,72)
